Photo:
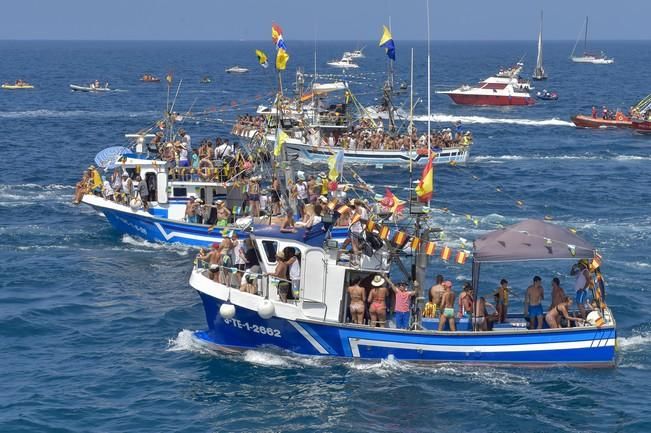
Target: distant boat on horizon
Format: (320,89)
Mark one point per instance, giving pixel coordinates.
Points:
(237,70)
(539,71)
(595,59)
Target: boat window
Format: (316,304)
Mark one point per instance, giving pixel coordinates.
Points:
(270,248)
(179,192)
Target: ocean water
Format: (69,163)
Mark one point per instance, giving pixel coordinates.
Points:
(96,328)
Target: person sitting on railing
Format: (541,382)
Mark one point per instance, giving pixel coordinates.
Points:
(83,186)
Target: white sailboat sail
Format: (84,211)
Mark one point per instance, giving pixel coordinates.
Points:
(539,72)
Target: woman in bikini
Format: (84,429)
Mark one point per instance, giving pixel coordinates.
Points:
(357,295)
(554,315)
(254,196)
(377,299)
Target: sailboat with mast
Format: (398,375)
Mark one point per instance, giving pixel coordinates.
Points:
(539,72)
(597,59)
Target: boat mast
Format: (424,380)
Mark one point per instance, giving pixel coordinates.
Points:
(585,39)
(429,147)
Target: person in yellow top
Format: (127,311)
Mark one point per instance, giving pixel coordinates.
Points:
(96,179)
(501,295)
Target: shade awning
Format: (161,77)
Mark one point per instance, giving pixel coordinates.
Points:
(531,240)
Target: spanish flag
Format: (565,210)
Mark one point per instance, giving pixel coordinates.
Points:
(425,186)
(343,209)
(461,257)
(384,232)
(415,243)
(370,225)
(387,42)
(400,239)
(392,202)
(430,248)
(446,253)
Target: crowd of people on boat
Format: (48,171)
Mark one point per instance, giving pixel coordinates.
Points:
(366,135)
(375,300)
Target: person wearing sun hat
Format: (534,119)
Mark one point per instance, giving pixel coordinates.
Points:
(377,300)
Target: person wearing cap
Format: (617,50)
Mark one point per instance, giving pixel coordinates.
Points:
(186,139)
(223,213)
(213,257)
(581,285)
(184,162)
(300,192)
(402,307)
(447,307)
(377,300)
(142,192)
(246,285)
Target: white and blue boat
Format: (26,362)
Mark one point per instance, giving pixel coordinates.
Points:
(318,322)
(169,191)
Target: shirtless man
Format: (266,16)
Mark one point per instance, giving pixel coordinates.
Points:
(357,301)
(532,303)
(581,284)
(501,295)
(558,294)
(447,307)
(213,257)
(377,298)
(435,294)
(223,214)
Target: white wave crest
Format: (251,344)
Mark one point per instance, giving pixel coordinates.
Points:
(632,158)
(185,341)
(43,114)
(449,118)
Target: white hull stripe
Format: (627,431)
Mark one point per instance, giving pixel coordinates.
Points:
(534,347)
(308,337)
(171,235)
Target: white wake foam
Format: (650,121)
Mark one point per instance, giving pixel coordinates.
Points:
(41,114)
(634,341)
(181,250)
(449,118)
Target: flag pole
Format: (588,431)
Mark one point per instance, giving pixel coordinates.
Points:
(429,147)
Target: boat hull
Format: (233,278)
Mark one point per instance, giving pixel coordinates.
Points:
(591,347)
(487,100)
(642,126)
(76,88)
(162,230)
(593,60)
(582,121)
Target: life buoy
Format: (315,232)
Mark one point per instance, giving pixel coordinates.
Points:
(205,169)
(620,117)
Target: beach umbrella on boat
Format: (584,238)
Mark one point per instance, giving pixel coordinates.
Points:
(107,157)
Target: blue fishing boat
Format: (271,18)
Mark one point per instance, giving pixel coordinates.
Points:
(547,95)
(317,322)
(163,218)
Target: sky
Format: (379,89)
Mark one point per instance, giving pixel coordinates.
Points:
(351,20)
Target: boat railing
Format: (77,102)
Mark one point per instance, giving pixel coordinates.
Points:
(265,284)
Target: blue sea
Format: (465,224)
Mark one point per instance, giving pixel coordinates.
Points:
(96,327)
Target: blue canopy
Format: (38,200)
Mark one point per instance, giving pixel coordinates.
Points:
(107,157)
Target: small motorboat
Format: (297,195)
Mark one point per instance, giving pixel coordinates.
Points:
(345,63)
(620,120)
(148,78)
(206,80)
(237,70)
(547,95)
(93,87)
(19,84)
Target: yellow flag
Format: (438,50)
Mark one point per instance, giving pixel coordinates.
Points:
(281,59)
(282,137)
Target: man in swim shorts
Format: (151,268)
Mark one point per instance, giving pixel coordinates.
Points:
(532,303)
(447,307)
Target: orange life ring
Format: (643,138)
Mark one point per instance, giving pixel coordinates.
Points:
(205,169)
(620,117)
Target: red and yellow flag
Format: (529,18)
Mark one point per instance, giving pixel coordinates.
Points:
(461,257)
(384,232)
(400,239)
(392,202)
(370,225)
(430,248)
(415,243)
(425,187)
(446,253)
